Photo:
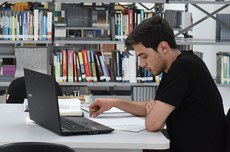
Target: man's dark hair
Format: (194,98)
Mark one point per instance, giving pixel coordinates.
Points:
(151,32)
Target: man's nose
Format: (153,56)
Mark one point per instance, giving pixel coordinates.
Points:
(142,63)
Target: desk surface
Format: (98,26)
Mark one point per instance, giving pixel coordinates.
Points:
(13,128)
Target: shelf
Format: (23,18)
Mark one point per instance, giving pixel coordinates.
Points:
(29,1)
(198,2)
(180,41)
(4,85)
(110,1)
(57,42)
(24,42)
(5,81)
(7,56)
(106,84)
(80,28)
(223,85)
(194,41)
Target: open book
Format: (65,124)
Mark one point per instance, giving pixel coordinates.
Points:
(67,106)
(70,107)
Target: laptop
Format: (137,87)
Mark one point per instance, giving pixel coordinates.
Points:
(44,110)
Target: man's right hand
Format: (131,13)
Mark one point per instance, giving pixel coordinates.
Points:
(100,105)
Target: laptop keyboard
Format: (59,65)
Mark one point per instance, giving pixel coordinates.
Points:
(71,125)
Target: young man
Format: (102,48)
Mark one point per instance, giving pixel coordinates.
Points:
(187,99)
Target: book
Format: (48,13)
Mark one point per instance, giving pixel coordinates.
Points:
(36,21)
(70,66)
(79,75)
(100,74)
(49,25)
(81,65)
(86,65)
(64,65)
(70,107)
(118,66)
(93,66)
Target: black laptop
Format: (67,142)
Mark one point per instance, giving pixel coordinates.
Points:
(44,110)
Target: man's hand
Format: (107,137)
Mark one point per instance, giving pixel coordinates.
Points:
(100,105)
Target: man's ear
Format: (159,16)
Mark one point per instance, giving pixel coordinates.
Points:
(164,47)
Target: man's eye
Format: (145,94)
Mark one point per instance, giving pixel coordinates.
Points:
(144,57)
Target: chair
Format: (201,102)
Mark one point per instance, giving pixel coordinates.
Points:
(227,142)
(34,147)
(16,91)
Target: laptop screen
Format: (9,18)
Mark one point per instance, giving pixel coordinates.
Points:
(42,100)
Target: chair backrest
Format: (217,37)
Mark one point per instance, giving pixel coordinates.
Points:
(17,91)
(34,147)
(227,142)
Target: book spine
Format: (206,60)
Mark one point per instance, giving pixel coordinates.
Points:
(70,66)
(86,65)
(125,67)
(81,64)
(74,67)
(103,68)
(93,67)
(49,25)
(64,66)
(106,67)
(132,66)
(99,68)
(130,19)
(79,77)
(13,26)
(118,66)
(24,25)
(44,26)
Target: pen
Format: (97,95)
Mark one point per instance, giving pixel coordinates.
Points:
(94,109)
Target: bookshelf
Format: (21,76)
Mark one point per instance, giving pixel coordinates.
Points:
(17,28)
(204,30)
(59,42)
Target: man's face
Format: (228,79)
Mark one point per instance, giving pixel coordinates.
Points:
(150,59)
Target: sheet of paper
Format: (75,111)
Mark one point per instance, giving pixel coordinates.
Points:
(111,111)
(130,123)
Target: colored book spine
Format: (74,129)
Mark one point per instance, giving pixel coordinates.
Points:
(64,65)
(49,25)
(99,68)
(24,25)
(79,77)
(81,64)
(86,65)
(107,77)
(44,26)
(70,66)
(118,66)
(93,67)
(35,24)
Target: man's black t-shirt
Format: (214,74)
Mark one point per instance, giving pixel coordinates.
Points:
(197,122)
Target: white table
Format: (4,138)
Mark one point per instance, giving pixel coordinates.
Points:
(13,128)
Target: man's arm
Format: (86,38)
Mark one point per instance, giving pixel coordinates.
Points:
(157,113)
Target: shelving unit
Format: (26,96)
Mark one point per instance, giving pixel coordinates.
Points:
(204,29)
(60,42)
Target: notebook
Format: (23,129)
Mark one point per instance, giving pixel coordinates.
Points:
(44,110)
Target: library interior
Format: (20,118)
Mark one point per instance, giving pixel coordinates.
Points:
(81,46)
